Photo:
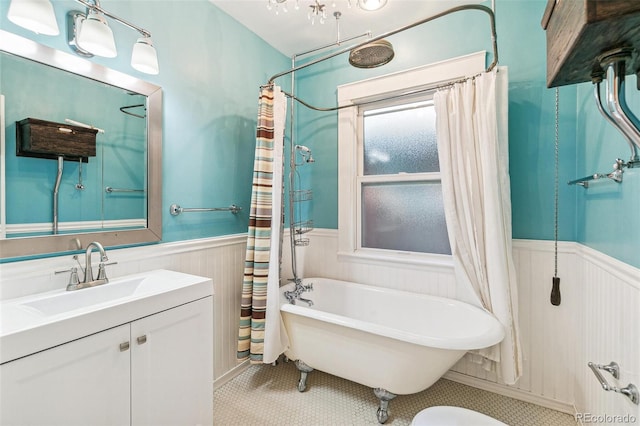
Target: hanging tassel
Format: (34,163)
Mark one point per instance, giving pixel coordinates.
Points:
(555,292)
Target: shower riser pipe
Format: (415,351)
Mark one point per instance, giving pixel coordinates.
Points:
(292,153)
(56,191)
(292,170)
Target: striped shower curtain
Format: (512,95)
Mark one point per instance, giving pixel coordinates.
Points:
(262,337)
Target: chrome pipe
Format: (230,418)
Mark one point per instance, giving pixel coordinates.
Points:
(616,103)
(56,190)
(292,153)
(292,174)
(96,6)
(610,119)
(338,42)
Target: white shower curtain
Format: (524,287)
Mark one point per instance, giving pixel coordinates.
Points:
(472,119)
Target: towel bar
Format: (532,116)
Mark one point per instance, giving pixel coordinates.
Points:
(630,391)
(110,189)
(175,209)
(615,175)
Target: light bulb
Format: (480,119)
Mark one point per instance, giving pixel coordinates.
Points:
(371,5)
(95,36)
(144,57)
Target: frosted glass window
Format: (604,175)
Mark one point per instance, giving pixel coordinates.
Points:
(400,140)
(404,216)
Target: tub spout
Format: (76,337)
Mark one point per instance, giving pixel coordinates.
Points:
(307,301)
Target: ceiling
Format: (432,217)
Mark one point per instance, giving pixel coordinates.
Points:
(292,33)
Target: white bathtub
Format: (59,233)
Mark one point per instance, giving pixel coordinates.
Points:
(398,341)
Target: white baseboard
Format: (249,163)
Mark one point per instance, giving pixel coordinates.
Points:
(230,375)
(510,392)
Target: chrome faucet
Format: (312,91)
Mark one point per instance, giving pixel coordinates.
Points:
(88,270)
(89,280)
(296,293)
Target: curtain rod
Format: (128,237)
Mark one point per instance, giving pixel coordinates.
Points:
(481,8)
(432,88)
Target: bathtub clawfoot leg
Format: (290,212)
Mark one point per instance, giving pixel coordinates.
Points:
(384,396)
(304,370)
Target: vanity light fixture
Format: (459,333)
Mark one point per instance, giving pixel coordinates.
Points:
(88,33)
(35,15)
(143,58)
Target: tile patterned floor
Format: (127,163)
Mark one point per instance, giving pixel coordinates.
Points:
(267,395)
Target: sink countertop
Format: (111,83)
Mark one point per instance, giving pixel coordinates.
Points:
(40,321)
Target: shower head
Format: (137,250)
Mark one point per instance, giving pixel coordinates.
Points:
(372,54)
(305,152)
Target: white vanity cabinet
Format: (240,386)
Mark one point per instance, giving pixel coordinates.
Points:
(172,366)
(79,383)
(155,370)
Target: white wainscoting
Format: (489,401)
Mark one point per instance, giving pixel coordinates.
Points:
(548,333)
(598,319)
(609,326)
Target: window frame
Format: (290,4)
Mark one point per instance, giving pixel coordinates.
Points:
(350,125)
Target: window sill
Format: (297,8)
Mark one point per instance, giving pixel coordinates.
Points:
(399,259)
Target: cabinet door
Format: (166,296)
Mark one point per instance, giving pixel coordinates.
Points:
(172,366)
(84,382)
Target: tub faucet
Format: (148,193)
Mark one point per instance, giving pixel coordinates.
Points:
(299,288)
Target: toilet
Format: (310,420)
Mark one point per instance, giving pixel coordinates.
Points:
(453,416)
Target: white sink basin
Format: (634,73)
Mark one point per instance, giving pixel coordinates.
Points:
(40,321)
(84,298)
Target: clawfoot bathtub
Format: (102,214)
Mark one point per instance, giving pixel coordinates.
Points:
(393,341)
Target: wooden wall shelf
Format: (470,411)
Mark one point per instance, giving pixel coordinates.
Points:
(578,31)
(47,139)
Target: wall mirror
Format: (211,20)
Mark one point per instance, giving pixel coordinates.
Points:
(60,204)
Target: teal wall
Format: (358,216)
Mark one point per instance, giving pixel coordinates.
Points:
(211,68)
(602,217)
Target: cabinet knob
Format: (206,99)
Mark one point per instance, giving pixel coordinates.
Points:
(142,339)
(124,346)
